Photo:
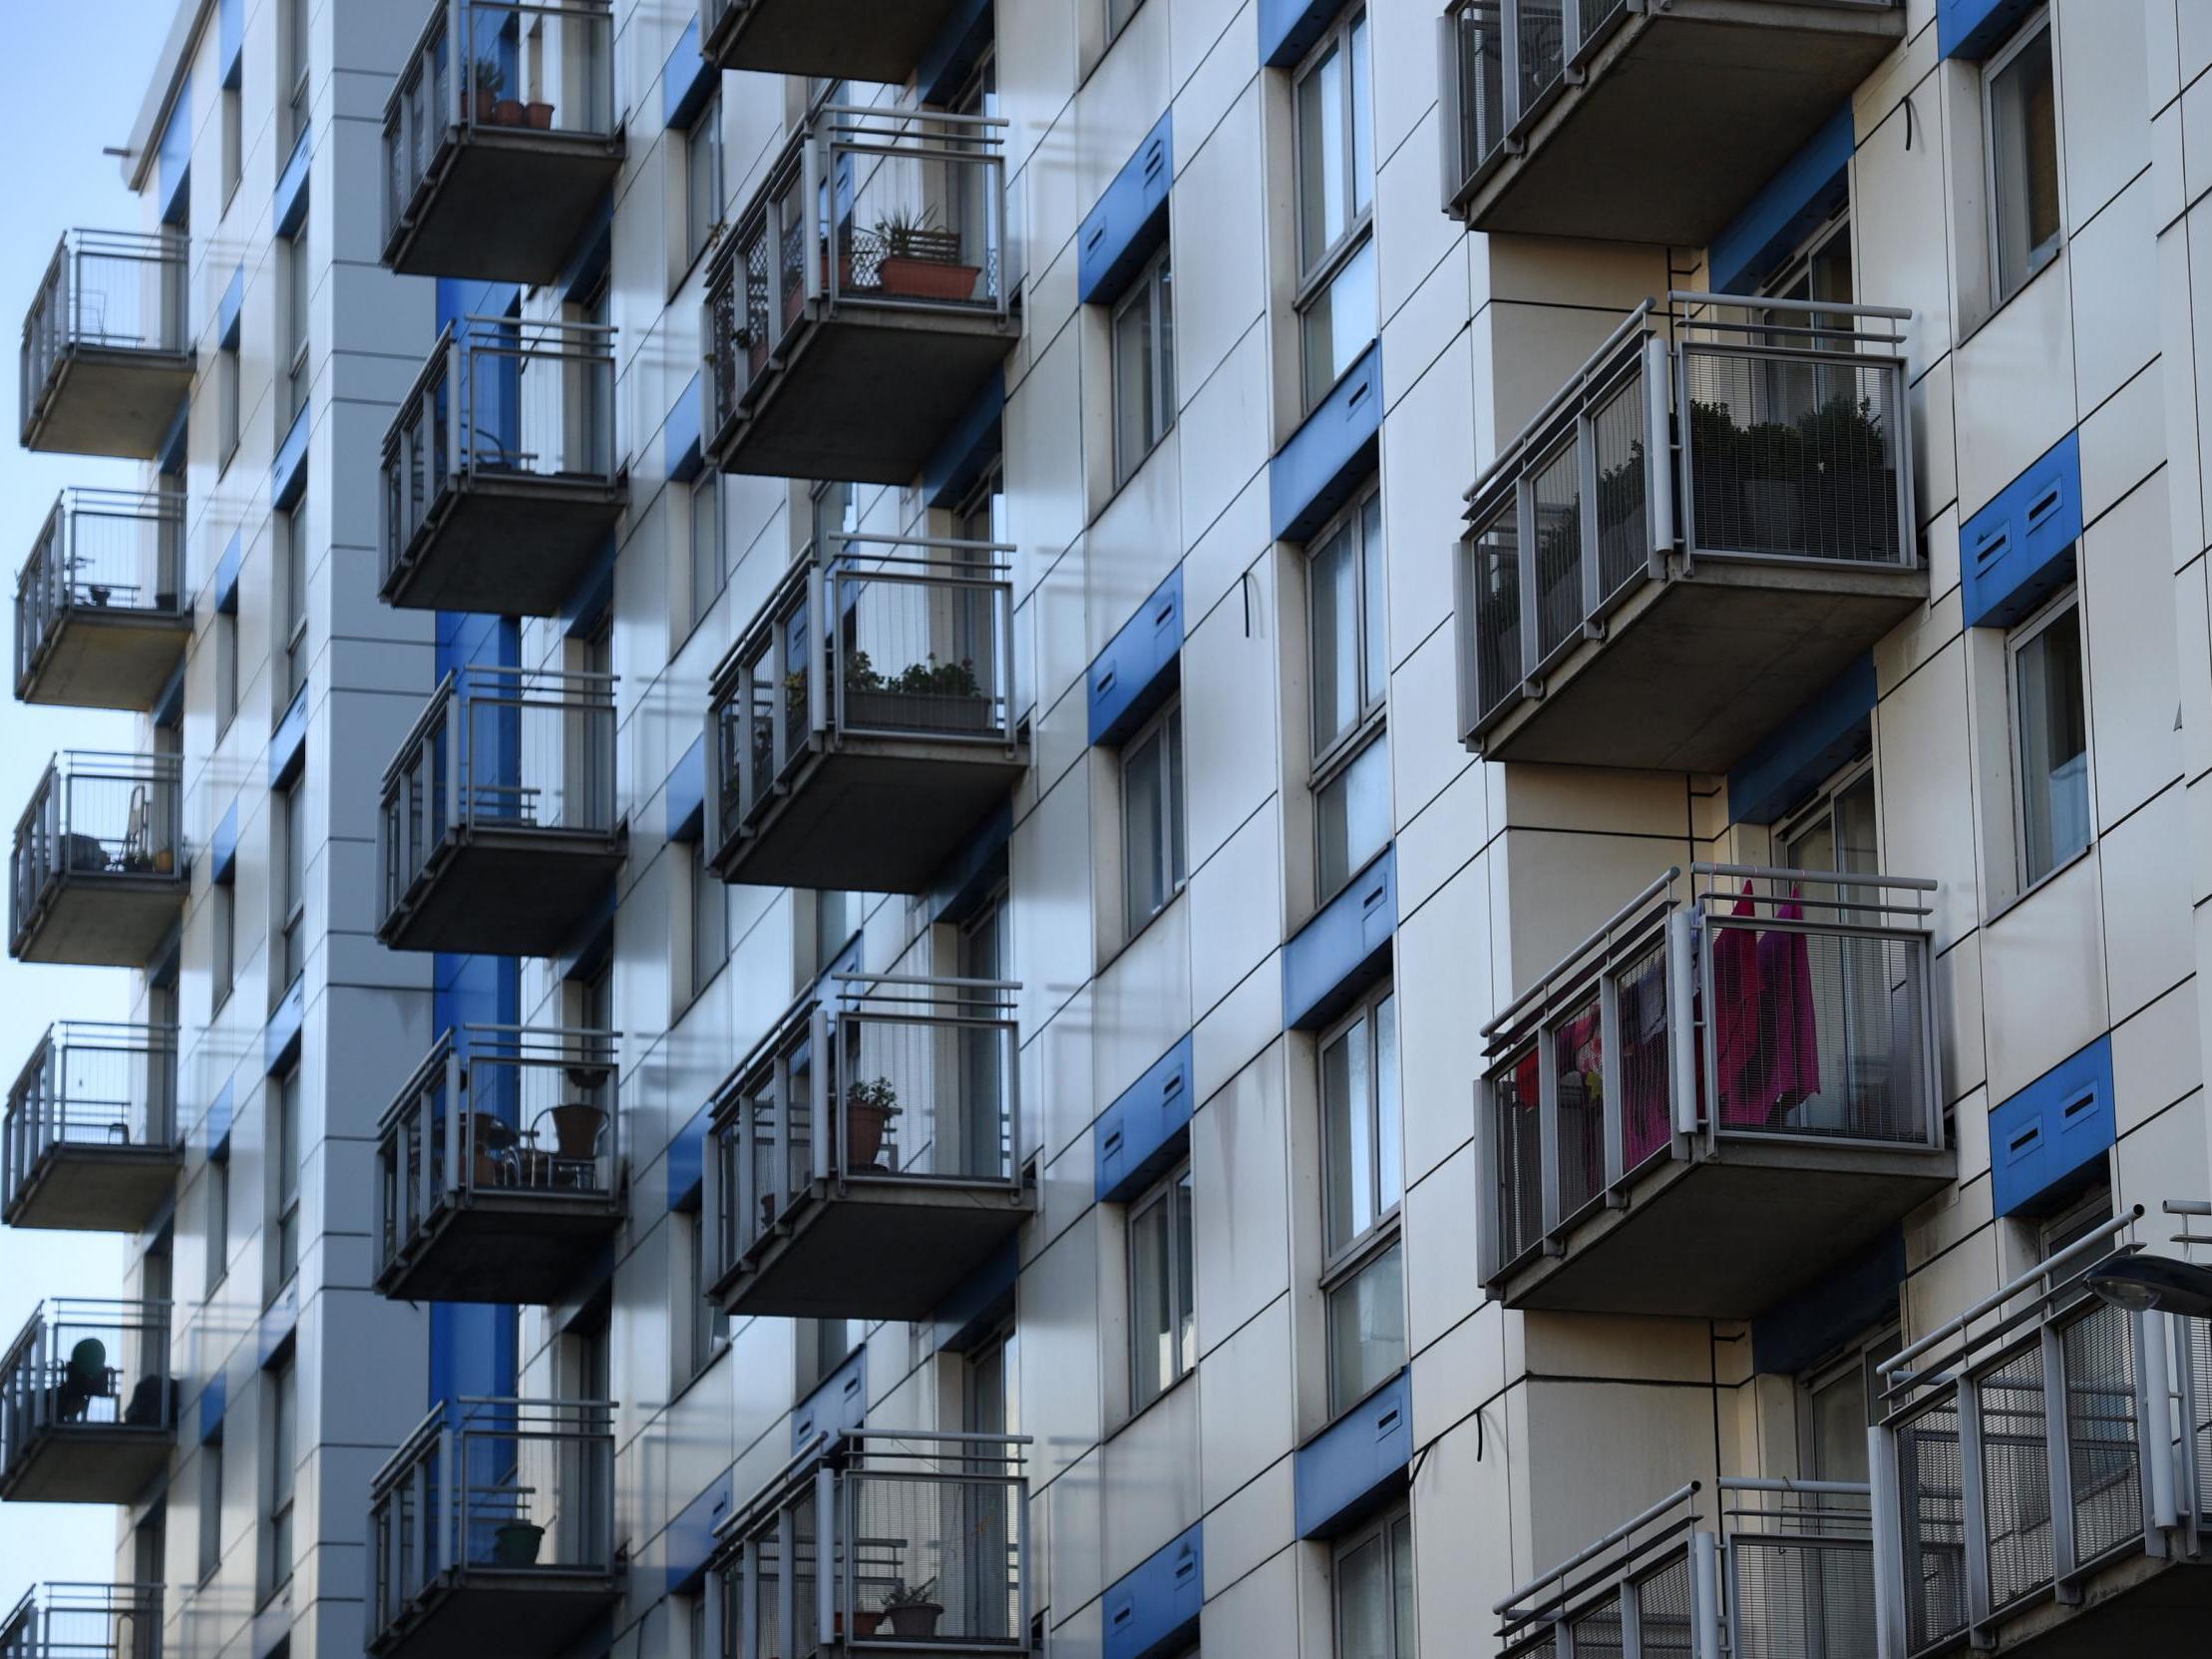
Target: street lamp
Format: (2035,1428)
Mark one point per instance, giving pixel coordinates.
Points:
(2143,1284)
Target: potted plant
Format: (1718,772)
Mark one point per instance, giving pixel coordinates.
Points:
(913,1611)
(868,1109)
(538,113)
(919,261)
(516,1543)
(507,112)
(485,77)
(929,695)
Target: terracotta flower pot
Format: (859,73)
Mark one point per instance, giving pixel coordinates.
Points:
(929,279)
(538,114)
(485,104)
(864,1123)
(916,1618)
(508,112)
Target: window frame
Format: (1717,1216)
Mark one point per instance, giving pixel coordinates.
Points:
(293,535)
(1860,1356)
(702,879)
(1342,1264)
(298,105)
(226,671)
(223,948)
(280,1558)
(704,1335)
(1319,268)
(1992,69)
(1380,1529)
(702,143)
(1153,287)
(704,489)
(232,140)
(227,408)
(214,1209)
(299,296)
(1164,728)
(2050,614)
(1181,1264)
(291,919)
(210,1560)
(1369,724)
(1820,807)
(285,1142)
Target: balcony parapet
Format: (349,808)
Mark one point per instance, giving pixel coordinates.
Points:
(101,618)
(88,1403)
(90,1140)
(107,359)
(98,874)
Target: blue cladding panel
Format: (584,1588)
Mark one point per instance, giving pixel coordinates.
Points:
(290,203)
(277,1322)
(681,435)
(1146,1128)
(289,472)
(230,38)
(687,1160)
(1357,1464)
(1153,1612)
(174,444)
(280,1037)
(226,573)
(1140,668)
(1805,192)
(227,310)
(1974,29)
(289,742)
(471,1351)
(1326,459)
(690,1536)
(219,1113)
(2019,551)
(687,79)
(970,875)
(687,791)
(215,1400)
(841,1402)
(1803,1328)
(1343,949)
(1835,726)
(594,596)
(2043,1139)
(971,444)
(950,59)
(175,156)
(222,849)
(595,253)
(972,1310)
(1289,27)
(1130,220)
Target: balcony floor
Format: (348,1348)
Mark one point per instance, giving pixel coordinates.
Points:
(101,921)
(106,401)
(504,205)
(523,1246)
(88,1464)
(1729,1238)
(867,393)
(1695,671)
(94,1189)
(506,543)
(877,1250)
(512,892)
(877,815)
(2139,1604)
(483,1611)
(107,659)
(860,40)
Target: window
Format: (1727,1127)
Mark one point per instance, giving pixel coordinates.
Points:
(1349,673)
(1372,1584)
(1163,1331)
(2021,130)
(233,135)
(218,1218)
(287,1150)
(707,574)
(2050,738)
(702,179)
(291,254)
(1144,367)
(291,547)
(291,886)
(226,669)
(1835,1405)
(837,918)
(2086,1215)
(227,401)
(1336,201)
(705,1328)
(211,1510)
(222,950)
(1151,849)
(295,80)
(710,922)
(283,1381)
(1364,1178)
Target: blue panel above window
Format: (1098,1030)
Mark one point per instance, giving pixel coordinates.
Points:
(687,1161)
(1807,1325)
(1130,221)
(1811,186)
(176,443)
(1152,1612)
(215,1400)
(841,1402)
(1141,666)
(230,38)
(594,596)
(976,871)
(1357,1464)
(1974,29)
(228,308)
(289,742)
(222,849)
(2019,551)
(690,1536)
(278,1322)
(174,154)
(280,1037)
(289,472)
(1289,27)
(290,203)
(686,792)
(1326,457)
(946,64)
(967,448)
(1146,1129)
(2046,1140)
(681,435)
(1345,948)
(219,1113)
(686,80)
(973,1309)
(227,575)
(1796,758)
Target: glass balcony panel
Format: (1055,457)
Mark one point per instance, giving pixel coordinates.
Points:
(101,620)
(107,358)
(90,1137)
(88,1405)
(98,874)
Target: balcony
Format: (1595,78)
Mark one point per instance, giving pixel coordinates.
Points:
(499,1178)
(90,1140)
(88,1407)
(879,1207)
(857,366)
(863,725)
(501,140)
(1788,1569)
(84,1621)
(1709,1103)
(106,361)
(1615,614)
(98,874)
(2042,1476)
(498,827)
(877,1541)
(851,40)
(101,618)
(499,482)
(1641,123)
(490,1530)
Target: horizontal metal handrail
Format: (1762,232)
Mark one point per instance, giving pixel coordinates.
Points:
(1568,964)
(1606,359)
(1510,1608)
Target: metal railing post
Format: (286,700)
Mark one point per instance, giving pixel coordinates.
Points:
(819,1104)
(1704,1595)
(2154,1435)
(1973,1530)
(2059,1459)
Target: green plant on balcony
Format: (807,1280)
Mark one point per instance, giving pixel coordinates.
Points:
(487,79)
(914,1610)
(918,260)
(870,1105)
(1819,485)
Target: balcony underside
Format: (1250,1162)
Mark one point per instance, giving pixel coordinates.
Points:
(94,1189)
(879,815)
(859,40)
(2139,1605)
(101,921)
(502,1247)
(504,892)
(865,394)
(1695,671)
(104,401)
(1681,116)
(504,205)
(875,1250)
(1726,1239)
(107,659)
(506,544)
(87,1463)
(483,1611)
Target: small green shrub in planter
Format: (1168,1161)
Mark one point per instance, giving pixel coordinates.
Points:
(516,1543)
(914,1610)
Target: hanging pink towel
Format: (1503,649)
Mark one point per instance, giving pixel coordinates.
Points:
(1791,1066)
(1733,1022)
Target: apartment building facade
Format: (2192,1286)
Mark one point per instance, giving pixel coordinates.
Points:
(1124,826)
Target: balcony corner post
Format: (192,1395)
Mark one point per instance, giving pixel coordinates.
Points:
(1704,1595)
(2154,1417)
(1889,1555)
(1682,1018)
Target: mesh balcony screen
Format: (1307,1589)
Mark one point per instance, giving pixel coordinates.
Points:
(1497,585)
(2015,1476)
(1576,1060)
(1624,532)
(1801,1598)
(943,1546)
(1932,1506)
(1598,1634)
(1519,1157)
(2102,1449)
(1663,1601)
(1560,606)
(1541,25)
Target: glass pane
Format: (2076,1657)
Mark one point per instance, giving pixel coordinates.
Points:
(1858,849)
(1150,1316)
(1323,209)
(1374,649)
(1164,367)
(1144,858)
(1339,323)
(2053,742)
(1186,1304)
(2024,137)
(1178,854)
(1362,123)
(1355,816)
(1839,1427)
(1333,624)
(1364,1603)
(1401,1578)
(1390,1156)
(1133,387)
(1348,1151)
(1366,1329)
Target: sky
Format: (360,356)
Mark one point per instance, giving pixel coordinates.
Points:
(70,85)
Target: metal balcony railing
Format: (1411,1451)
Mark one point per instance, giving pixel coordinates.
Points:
(95,1372)
(106,292)
(94,819)
(1505,61)
(93,1090)
(102,555)
(84,1621)
(878,1540)
(512,1499)
(1782,439)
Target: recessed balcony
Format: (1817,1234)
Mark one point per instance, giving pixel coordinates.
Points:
(90,1139)
(872,1541)
(1712,1102)
(830,40)
(98,873)
(1639,123)
(88,1405)
(864,1158)
(492,1530)
(499,828)
(500,138)
(84,1621)
(101,618)
(862,728)
(850,348)
(500,483)
(107,360)
(499,1178)
(1707,524)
